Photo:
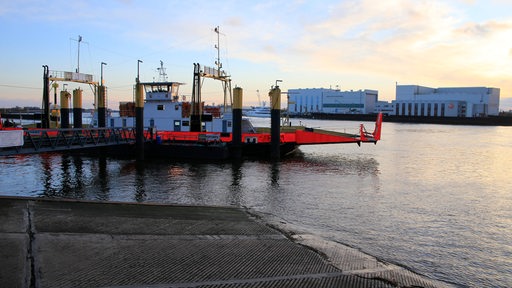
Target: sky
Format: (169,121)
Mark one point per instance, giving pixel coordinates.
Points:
(350,45)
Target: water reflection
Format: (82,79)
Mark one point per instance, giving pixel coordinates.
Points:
(62,176)
(140,189)
(75,177)
(47,175)
(103,177)
(235,195)
(78,164)
(67,188)
(274,175)
(227,183)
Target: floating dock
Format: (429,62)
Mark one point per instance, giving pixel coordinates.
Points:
(68,243)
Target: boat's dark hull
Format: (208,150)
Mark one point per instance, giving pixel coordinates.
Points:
(263,150)
(214,151)
(196,151)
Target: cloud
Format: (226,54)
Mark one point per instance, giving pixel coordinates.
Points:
(311,43)
(485,29)
(413,41)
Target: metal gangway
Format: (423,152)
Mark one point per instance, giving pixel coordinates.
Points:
(61,140)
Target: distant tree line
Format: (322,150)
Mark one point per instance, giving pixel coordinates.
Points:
(19,109)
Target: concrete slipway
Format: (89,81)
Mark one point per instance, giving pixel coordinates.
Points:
(62,243)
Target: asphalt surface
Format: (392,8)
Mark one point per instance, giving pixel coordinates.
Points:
(64,243)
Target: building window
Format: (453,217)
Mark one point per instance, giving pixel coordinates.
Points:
(435,109)
(422,109)
(415,109)
(160,107)
(185,123)
(442,109)
(409,108)
(462,110)
(429,108)
(403,109)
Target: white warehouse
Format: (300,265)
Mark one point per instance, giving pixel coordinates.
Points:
(415,100)
(321,100)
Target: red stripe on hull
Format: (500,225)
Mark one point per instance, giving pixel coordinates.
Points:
(308,137)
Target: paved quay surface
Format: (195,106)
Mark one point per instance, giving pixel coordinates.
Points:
(50,243)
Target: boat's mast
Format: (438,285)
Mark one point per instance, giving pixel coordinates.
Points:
(219,65)
(78,67)
(226,82)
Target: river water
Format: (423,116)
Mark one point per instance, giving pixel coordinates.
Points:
(434,198)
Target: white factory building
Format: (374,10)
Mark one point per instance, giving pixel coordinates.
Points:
(415,100)
(322,100)
(411,100)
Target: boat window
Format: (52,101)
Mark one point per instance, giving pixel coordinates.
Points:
(160,107)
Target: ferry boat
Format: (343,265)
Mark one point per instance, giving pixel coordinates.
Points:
(177,128)
(261,111)
(169,119)
(258,111)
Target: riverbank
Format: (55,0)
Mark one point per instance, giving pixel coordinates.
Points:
(68,243)
(477,121)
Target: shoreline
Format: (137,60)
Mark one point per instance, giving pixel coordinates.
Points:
(334,252)
(475,121)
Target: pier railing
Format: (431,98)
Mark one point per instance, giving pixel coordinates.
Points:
(58,140)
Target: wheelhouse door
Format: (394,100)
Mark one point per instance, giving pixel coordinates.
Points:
(177,125)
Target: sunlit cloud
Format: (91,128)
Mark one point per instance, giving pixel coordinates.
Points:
(423,42)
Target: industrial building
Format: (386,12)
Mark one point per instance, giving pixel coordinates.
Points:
(322,100)
(415,100)
(411,100)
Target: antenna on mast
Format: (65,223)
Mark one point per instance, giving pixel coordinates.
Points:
(162,76)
